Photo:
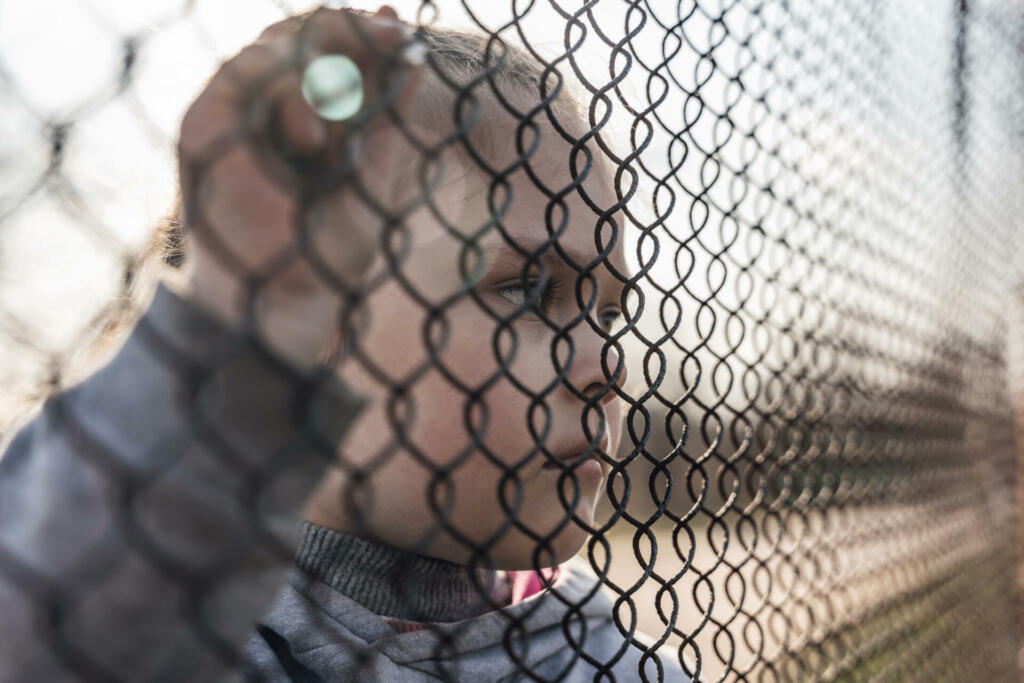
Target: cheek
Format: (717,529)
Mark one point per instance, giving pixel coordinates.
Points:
(477,346)
(613,413)
(393,343)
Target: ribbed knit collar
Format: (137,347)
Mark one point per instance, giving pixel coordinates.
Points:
(394,583)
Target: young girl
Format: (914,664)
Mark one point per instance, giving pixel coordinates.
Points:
(397,326)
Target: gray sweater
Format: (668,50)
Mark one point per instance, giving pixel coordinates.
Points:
(148,522)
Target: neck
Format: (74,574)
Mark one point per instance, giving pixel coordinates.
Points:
(395,583)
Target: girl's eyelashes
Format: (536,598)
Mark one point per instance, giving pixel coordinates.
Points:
(519,293)
(609,319)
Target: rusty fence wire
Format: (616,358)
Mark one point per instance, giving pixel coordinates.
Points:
(811,215)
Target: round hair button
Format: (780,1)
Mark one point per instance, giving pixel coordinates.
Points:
(333,86)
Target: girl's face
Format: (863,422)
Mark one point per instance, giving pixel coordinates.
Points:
(492,445)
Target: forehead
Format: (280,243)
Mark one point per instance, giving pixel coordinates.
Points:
(543,211)
(538,214)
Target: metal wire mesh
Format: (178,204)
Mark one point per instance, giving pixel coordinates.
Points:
(806,214)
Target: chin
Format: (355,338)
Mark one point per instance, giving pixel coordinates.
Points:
(569,542)
(517,551)
(548,543)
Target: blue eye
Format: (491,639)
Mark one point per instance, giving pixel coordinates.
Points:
(524,295)
(515,295)
(522,292)
(610,318)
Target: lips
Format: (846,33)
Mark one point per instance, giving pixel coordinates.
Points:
(575,455)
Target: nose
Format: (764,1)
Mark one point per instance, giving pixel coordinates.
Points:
(597,368)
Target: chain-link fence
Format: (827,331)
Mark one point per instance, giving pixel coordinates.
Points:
(608,340)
